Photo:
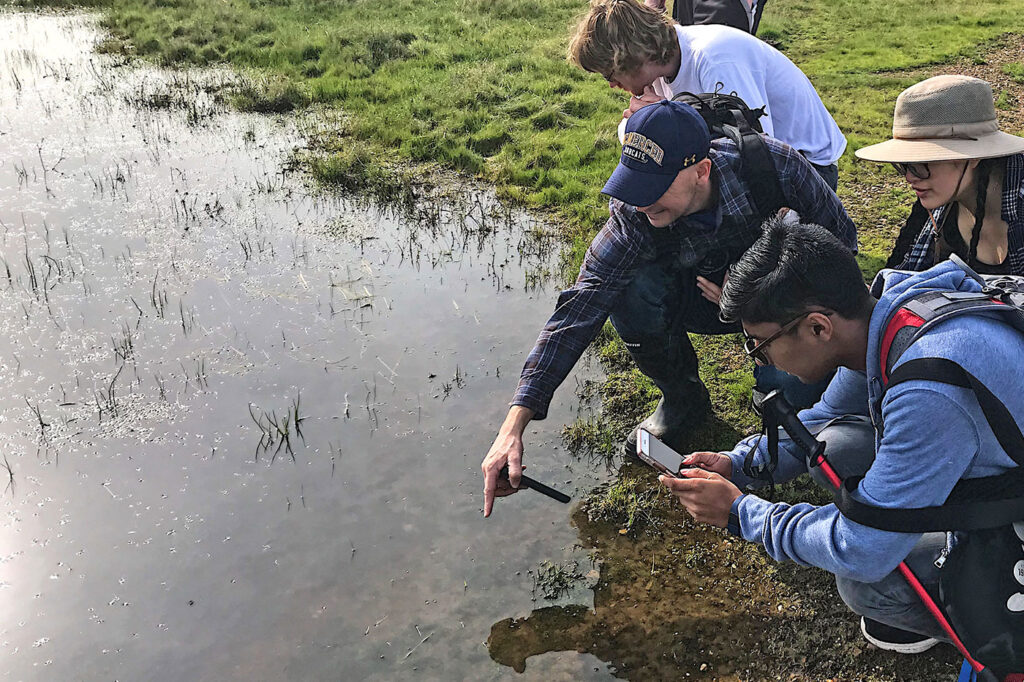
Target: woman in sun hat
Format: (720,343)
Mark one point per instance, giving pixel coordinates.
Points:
(967,174)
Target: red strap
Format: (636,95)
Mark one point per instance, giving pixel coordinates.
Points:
(1014,677)
(902,318)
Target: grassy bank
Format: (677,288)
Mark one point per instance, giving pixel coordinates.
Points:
(482,86)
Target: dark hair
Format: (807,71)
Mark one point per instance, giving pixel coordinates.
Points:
(981,175)
(791,269)
(918,220)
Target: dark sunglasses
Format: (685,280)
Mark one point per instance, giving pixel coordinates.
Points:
(918,170)
(758,349)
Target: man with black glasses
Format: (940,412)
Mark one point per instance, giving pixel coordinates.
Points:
(801,299)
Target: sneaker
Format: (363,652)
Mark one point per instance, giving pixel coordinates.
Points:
(893,639)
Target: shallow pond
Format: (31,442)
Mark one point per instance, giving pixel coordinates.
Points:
(242,420)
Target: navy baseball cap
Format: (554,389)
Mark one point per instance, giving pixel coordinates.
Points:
(660,140)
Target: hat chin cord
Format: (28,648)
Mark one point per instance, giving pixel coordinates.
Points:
(956,191)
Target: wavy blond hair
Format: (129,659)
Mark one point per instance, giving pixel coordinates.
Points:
(619,36)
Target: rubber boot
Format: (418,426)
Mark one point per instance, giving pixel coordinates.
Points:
(684,403)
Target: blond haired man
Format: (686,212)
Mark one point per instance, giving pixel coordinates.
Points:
(640,50)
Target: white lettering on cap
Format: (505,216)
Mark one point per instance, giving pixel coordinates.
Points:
(641,148)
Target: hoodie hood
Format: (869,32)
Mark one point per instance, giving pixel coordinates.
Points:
(894,287)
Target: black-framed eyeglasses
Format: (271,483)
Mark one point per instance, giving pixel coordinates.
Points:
(758,349)
(918,170)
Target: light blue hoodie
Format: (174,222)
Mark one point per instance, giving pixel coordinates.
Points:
(934,435)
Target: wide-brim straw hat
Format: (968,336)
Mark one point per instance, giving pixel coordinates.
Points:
(945,118)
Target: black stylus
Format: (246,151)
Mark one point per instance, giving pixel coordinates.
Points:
(533,484)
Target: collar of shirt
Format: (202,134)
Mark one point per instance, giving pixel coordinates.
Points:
(707,220)
(731,193)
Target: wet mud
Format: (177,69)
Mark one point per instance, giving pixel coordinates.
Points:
(680,600)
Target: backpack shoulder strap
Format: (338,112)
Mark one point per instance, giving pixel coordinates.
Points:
(965,509)
(945,371)
(974,503)
(758,171)
(920,313)
(727,115)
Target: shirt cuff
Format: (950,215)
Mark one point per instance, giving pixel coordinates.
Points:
(733,525)
(524,399)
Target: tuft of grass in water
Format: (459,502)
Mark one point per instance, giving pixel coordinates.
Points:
(593,440)
(629,503)
(356,169)
(268,95)
(555,580)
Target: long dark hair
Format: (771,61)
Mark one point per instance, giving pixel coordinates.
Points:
(981,177)
(911,230)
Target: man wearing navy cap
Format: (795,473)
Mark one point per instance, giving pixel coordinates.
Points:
(681,212)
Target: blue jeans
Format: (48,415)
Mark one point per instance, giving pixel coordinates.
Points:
(829,173)
(850,448)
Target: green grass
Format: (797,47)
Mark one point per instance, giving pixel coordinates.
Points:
(482,86)
(1015,70)
(628,503)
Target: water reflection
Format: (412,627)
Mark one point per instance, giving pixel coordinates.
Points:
(245,420)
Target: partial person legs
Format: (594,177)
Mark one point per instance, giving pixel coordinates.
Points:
(893,616)
(658,308)
(650,321)
(830,174)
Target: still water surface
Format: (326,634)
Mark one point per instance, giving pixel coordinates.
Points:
(169,292)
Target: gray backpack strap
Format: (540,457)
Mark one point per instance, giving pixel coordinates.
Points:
(1000,294)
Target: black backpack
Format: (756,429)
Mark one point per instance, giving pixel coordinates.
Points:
(981,582)
(727,115)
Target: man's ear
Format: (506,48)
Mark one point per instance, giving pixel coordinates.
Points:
(820,326)
(704,169)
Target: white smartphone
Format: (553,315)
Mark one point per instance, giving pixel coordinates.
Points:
(657,454)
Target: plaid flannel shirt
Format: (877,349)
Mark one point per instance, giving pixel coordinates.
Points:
(628,239)
(922,254)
